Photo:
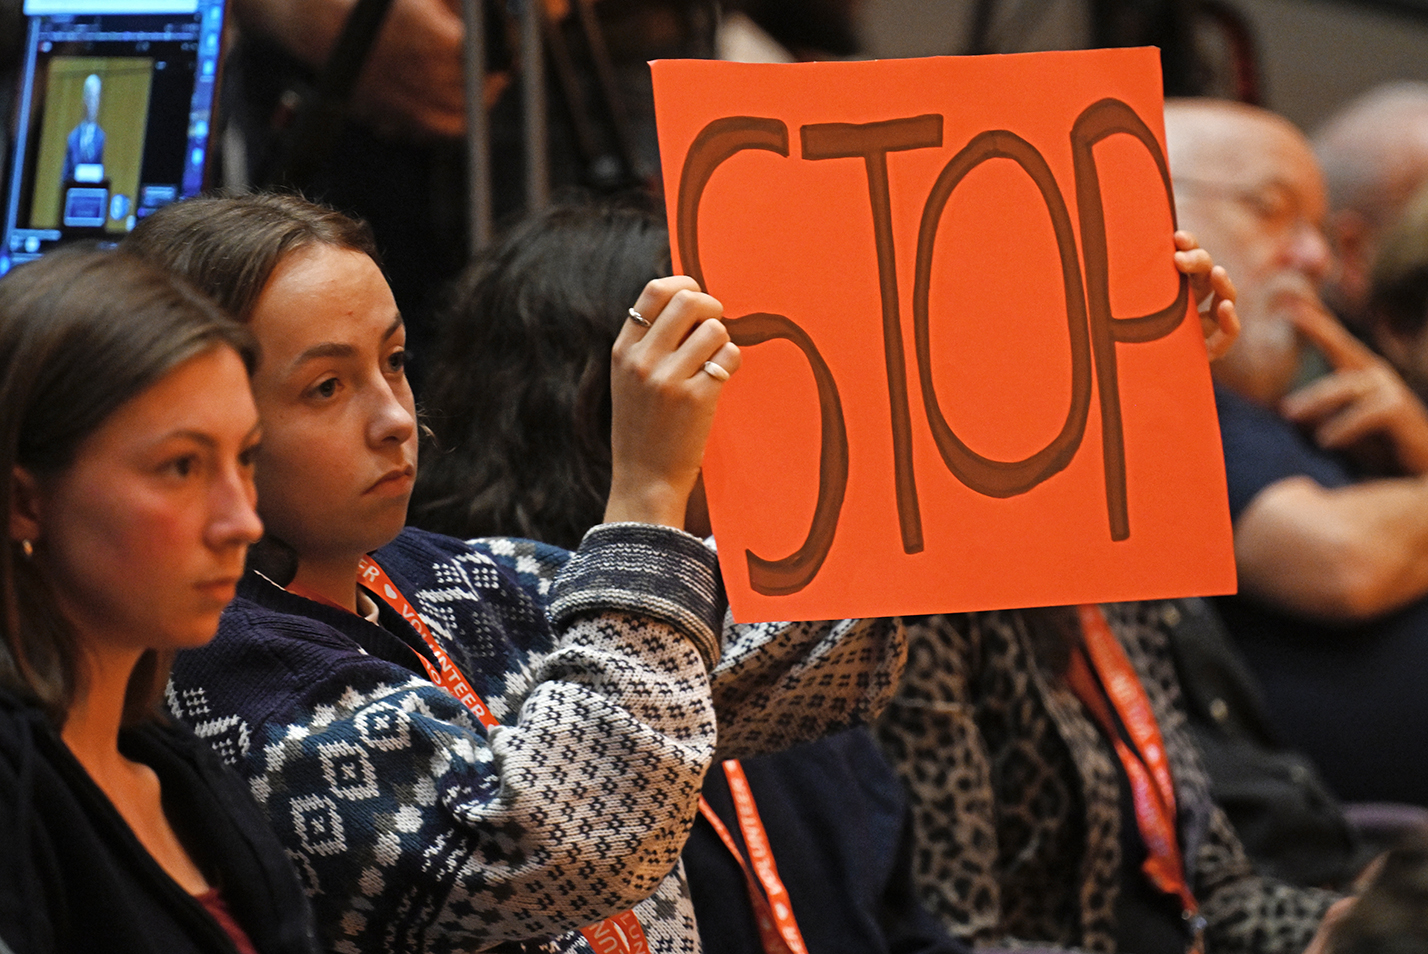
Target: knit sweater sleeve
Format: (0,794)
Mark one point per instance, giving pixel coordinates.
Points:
(774,684)
(415,828)
(779,684)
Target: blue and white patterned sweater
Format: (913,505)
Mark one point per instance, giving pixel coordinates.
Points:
(416,830)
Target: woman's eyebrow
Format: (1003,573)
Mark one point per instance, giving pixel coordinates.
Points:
(328,349)
(335,349)
(189,434)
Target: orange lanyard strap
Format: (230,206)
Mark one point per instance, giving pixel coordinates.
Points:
(620,934)
(448,677)
(1146,766)
(773,910)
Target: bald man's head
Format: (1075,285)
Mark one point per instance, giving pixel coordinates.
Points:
(1247,184)
(1374,152)
(90,96)
(1207,136)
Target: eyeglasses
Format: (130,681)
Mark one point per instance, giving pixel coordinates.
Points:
(1277,209)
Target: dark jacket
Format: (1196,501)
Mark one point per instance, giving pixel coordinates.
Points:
(838,826)
(74,878)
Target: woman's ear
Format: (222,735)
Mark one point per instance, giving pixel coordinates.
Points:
(24,505)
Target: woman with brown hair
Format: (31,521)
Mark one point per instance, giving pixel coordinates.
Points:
(126,436)
(467,743)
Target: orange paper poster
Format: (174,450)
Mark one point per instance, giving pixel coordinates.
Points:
(972,376)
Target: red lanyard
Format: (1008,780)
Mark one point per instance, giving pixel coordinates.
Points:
(620,934)
(1147,767)
(772,909)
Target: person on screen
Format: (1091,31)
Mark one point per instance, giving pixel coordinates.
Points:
(85,145)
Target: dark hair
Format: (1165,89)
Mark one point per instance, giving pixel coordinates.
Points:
(82,332)
(228,246)
(519,397)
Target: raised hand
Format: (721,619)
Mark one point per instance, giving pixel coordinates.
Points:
(412,84)
(665,381)
(1218,320)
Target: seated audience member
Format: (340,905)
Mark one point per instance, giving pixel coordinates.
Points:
(1374,153)
(1057,799)
(520,409)
(1328,485)
(526,324)
(1397,314)
(465,744)
(127,441)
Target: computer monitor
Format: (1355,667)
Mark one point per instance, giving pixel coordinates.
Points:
(115,118)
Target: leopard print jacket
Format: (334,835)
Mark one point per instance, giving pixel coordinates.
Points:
(1015,793)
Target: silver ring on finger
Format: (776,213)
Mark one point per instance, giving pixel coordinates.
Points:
(639,319)
(716,371)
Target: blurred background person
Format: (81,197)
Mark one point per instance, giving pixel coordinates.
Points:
(1328,484)
(399,163)
(1374,154)
(1397,312)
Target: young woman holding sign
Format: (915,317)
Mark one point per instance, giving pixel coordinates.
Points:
(464,744)
(127,433)
(522,446)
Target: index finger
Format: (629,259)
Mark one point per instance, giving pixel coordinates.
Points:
(1343,351)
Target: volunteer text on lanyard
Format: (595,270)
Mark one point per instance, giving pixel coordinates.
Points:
(1101,662)
(620,934)
(778,930)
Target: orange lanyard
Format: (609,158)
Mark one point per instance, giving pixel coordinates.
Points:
(620,934)
(772,908)
(1147,766)
(448,677)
